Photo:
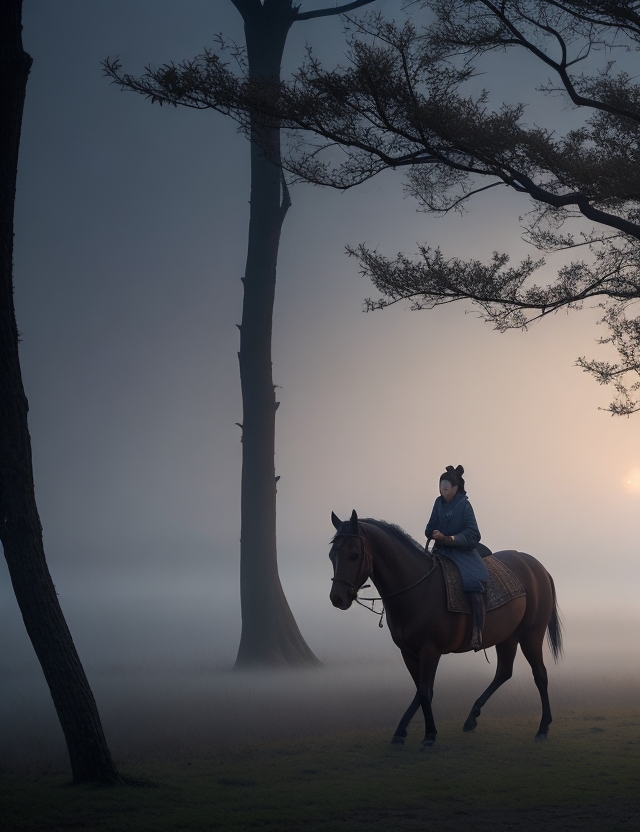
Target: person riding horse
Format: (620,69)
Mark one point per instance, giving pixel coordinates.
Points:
(454,529)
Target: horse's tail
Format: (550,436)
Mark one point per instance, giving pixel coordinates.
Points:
(554,628)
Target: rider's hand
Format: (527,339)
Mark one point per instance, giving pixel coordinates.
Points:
(447,539)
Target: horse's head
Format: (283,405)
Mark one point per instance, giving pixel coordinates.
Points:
(351,561)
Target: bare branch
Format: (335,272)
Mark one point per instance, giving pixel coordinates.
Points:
(347,7)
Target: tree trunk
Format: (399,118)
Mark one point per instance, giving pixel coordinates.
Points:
(20,530)
(270,635)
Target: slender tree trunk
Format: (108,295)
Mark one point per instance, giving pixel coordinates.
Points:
(270,635)
(20,530)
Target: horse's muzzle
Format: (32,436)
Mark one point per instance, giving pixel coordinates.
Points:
(340,601)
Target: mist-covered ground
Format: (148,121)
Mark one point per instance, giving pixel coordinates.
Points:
(159,663)
(310,749)
(172,710)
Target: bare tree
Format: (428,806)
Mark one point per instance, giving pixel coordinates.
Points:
(270,635)
(20,529)
(402,100)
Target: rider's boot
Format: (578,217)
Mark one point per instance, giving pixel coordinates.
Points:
(476,602)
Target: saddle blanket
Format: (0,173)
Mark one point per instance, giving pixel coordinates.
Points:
(503,585)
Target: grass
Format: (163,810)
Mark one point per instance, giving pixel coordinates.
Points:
(585,776)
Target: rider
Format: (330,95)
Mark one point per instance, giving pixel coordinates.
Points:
(453,527)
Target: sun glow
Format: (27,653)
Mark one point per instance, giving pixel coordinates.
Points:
(632,481)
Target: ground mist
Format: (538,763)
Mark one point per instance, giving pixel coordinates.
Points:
(170,710)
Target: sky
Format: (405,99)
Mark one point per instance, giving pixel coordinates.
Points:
(130,235)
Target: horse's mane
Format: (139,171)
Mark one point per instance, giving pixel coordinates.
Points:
(397,532)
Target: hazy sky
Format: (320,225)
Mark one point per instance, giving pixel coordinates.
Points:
(130,244)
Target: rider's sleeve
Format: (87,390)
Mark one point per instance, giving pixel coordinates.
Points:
(432,525)
(469,535)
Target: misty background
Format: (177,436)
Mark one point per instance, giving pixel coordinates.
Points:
(131,225)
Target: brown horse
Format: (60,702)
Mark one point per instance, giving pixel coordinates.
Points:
(420,624)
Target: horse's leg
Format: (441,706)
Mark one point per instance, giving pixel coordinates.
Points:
(401,731)
(506,652)
(432,680)
(429,659)
(531,644)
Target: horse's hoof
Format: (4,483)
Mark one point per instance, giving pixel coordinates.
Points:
(428,741)
(396,740)
(471,723)
(540,737)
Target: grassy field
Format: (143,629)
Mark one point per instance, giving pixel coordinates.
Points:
(585,776)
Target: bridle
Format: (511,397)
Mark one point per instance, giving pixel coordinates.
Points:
(354,589)
(369,568)
(363,554)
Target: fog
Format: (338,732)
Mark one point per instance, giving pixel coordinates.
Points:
(166,712)
(130,241)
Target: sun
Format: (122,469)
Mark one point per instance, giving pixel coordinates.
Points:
(632,481)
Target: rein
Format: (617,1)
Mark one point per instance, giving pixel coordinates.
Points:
(369,567)
(411,586)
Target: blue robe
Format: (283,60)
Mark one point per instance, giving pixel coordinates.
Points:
(457,518)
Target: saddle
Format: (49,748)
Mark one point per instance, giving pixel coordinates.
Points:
(503,585)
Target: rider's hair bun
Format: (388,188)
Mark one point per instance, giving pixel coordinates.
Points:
(454,476)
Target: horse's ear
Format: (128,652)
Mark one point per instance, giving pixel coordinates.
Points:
(337,522)
(354,522)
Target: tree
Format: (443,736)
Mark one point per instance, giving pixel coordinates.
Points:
(20,529)
(401,101)
(270,635)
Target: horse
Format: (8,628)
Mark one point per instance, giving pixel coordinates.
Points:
(413,592)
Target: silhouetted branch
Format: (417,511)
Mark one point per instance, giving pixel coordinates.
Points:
(347,7)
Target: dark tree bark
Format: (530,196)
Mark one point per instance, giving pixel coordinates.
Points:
(20,529)
(270,635)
